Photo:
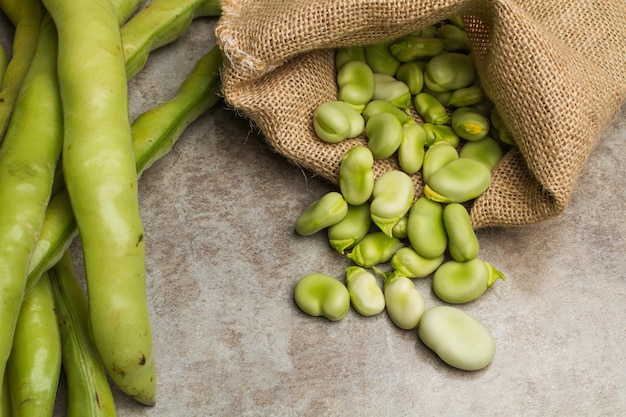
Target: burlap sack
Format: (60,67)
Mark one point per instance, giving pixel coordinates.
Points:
(556,70)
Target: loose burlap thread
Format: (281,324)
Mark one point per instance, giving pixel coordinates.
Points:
(555,69)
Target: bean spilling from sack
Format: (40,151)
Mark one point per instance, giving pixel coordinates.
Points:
(417,98)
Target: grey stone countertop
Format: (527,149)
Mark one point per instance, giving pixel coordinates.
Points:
(223,259)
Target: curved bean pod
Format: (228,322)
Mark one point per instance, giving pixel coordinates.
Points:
(391,199)
(366,296)
(425,228)
(322,295)
(5,398)
(458,181)
(351,229)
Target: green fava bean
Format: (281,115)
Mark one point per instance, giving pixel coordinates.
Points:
(501,131)
(322,295)
(408,263)
(453,38)
(458,181)
(462,282)
(347,54)
(467,96)
(437,155)
(349,231)
(388,88)
(462,240)
(330,209)
(470,124)
(356,175)
(375,248)
(392,198)
(449,71)
(411,150)
(366,296)
(412,47)
(487,151)
(425,228)
(458,338)
(380,106)
(412,75)
(379,57)
(335,121)
(440,133)
(404,302)
(431,109)
(399,229)
(384,135)
(356,84)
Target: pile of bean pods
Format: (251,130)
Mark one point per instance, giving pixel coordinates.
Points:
(70,159)
(418,99)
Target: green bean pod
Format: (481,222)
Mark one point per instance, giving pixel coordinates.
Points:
(334,121)
(346,54)
(449,71)
(462,282)
(388,88)
(440,133)
(4,62)
(412,75)
(322,295)
(356,83)
(384,135)
(452,38)
(351,229)
(462,240)
(413,47)
(28,161)
(366,296)
(412,147)
(103,195)
(469,124)
(458,181)
(466,96)
(380,106)
(356,175)
(125,9)
(403,302)
(88,390)
(436,156)
(375,248)
(425,228)
(392,198)
(328,210)
(487,151)
(5,398)
(408,263)
(458,338)
(431,109)
(34,366)
(379,57)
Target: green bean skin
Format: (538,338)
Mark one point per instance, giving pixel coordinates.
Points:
(403,302)
(34,366)
(4,62)
(458,282)
(458,181)
(388,88)
(412,147)
(469,124)
(322,295)
(125,8)
(28,160)
(5,398)
(384,135)
(103,194)
(334,121)
(391,199)
(366,296)
(408,263)
(449,71)
(378,106)
(379,57)
(467,96)
(487,151)
(399,229)
(412,75)
(346,54)
(437,155)
(412,47)
(356,175)
(88,390)
(425,228)
(462,240)
(431,109)
(351,229)
(440,133)
(373,249)
(356,84)
(328,210)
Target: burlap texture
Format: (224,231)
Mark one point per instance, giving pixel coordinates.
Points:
(556,70)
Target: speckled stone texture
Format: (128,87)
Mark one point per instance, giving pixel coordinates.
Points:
(222,261)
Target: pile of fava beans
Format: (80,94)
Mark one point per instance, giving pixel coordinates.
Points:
(417,98)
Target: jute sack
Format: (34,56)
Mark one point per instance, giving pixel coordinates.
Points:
(555,69)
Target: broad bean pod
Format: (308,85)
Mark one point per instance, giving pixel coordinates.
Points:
(449,71)
(351,229)
(430,109)
(125,9)
(356,175)
(407,262)
(425,228)
(375,248)
(328,210)
(469,124)
(458,338)
(487,151)
(4,61)
(392,198)
(28,159)
(5,398)
(462,240)
(412,147)
(412,75)
(356,84)
(93,86)
(366,296)
(440,133)
(322,295)
(334,121)
(413,47)
(88,390)
(34,366)
(403,302)
(384,135)
(389,88)
(462,282)
(458,181)
(379,57)
(436,156)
